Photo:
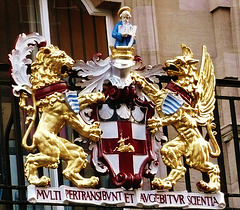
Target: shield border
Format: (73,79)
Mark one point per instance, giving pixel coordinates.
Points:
(127,180)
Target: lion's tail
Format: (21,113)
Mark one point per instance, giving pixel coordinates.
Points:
(212,134)
(32,119)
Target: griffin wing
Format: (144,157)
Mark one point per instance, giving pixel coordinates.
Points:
(206,90)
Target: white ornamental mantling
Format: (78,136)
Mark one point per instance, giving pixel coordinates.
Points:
(19,59)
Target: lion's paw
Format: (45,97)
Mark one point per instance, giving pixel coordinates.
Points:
(95,132)
(94,180)
(160,184)
(43,181)
(91,98)
(88,182)
(154,124)
(206,187)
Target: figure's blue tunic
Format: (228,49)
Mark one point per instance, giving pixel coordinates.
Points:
(120,40)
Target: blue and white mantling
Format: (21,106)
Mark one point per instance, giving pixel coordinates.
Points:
(171,103)
(72,99)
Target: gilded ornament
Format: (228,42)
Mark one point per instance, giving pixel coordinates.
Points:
(48,92)
(186,104)
(124,147)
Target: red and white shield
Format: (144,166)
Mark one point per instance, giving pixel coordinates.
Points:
(125,146)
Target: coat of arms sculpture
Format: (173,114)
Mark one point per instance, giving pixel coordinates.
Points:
(122,112)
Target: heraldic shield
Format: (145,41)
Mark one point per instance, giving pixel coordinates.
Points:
(125,146)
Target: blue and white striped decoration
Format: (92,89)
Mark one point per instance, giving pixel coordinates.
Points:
(72,99)
(171,104)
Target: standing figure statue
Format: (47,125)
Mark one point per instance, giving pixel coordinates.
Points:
(124,32)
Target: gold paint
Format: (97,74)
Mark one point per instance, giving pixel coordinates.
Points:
(48,68)
(55,113)
(124,147)
(189,142)
(30,110)
(87,99)
(122,52)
